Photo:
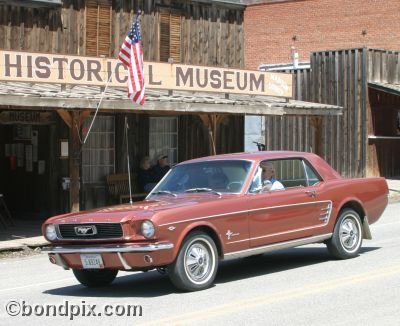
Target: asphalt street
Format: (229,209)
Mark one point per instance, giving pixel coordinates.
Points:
(301,286)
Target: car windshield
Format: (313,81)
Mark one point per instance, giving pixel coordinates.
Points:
(217,177)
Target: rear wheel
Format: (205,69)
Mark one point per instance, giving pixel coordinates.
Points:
(95,278)
(347,236)
(196,264)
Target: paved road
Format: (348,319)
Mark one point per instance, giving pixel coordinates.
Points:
(302,286)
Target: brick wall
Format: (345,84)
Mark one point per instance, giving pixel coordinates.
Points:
(271,29)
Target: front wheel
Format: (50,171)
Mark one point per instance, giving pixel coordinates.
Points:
(196,264)
(347,236)
(95,278)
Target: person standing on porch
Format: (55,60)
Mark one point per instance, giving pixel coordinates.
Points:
(146,178)
(161,168)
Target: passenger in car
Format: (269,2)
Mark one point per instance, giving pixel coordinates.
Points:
(269,181)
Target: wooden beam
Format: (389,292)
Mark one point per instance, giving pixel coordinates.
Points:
(66,116)
(74,163)
(83,115)
(213,133)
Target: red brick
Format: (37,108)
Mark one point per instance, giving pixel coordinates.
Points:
(318,25)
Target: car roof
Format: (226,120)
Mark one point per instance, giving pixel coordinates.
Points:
(323,168)
(253,156)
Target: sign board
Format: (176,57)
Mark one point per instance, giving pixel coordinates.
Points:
(25,117)
(78,70)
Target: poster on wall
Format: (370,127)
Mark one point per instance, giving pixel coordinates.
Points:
(41,167)
(7,150)
(35,135)
(22,132)
(28,158)
(20,155)
(13,150)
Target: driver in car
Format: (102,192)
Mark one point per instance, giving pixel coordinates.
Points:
(269,181)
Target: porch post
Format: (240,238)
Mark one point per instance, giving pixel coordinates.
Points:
(74,162)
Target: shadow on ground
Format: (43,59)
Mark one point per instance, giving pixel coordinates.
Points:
(153,284)
(22,228)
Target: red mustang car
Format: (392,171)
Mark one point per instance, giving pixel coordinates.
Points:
(218,208)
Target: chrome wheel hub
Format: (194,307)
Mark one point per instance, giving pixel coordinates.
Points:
(350,234)
(198,262)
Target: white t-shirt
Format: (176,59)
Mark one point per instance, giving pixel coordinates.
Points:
(269,186)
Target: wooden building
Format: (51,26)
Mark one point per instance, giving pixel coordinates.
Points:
(43,123)
(365,140)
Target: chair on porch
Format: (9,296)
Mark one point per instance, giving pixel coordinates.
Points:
(118,188)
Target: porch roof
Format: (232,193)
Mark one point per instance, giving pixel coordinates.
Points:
(386,87)
(71,97)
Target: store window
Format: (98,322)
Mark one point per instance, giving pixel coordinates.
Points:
(164,138)
(98,153)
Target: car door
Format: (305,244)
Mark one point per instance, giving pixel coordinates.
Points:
(291,213)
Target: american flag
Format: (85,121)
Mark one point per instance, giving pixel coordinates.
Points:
(131,55)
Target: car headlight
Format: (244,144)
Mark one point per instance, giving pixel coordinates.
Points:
(147,229)
(51,233)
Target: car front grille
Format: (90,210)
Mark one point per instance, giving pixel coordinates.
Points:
(90,231)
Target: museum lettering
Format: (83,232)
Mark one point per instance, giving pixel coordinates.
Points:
(219,80)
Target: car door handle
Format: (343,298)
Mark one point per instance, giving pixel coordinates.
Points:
(311,193)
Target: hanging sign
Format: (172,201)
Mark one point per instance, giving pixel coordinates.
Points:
(77,70)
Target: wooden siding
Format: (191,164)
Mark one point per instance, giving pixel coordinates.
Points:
(384,66)
(211,34)
(341,78)
(51,30)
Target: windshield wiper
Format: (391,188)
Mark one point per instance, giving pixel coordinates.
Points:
(164,192)
(203,190)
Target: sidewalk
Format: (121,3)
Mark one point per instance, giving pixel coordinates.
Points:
(27,234)
(24,234)
(394,190)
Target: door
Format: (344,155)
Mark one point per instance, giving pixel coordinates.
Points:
(289,213)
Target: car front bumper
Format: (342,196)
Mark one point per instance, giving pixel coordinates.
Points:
(122,257)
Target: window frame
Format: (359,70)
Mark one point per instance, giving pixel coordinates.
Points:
(91,166)
(303,163)
(155,152)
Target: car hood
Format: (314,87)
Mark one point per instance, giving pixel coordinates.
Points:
(138,210)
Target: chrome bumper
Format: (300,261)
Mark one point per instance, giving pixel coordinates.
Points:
(99,250)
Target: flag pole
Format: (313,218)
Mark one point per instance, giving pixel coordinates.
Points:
(127,158)
(97,108)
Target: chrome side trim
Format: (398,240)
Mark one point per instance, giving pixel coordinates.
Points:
(366,230)
(115,249)
(123,261)
(276,246)
(325,221)
(247,211)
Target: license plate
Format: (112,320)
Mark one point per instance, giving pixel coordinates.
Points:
(92,261)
